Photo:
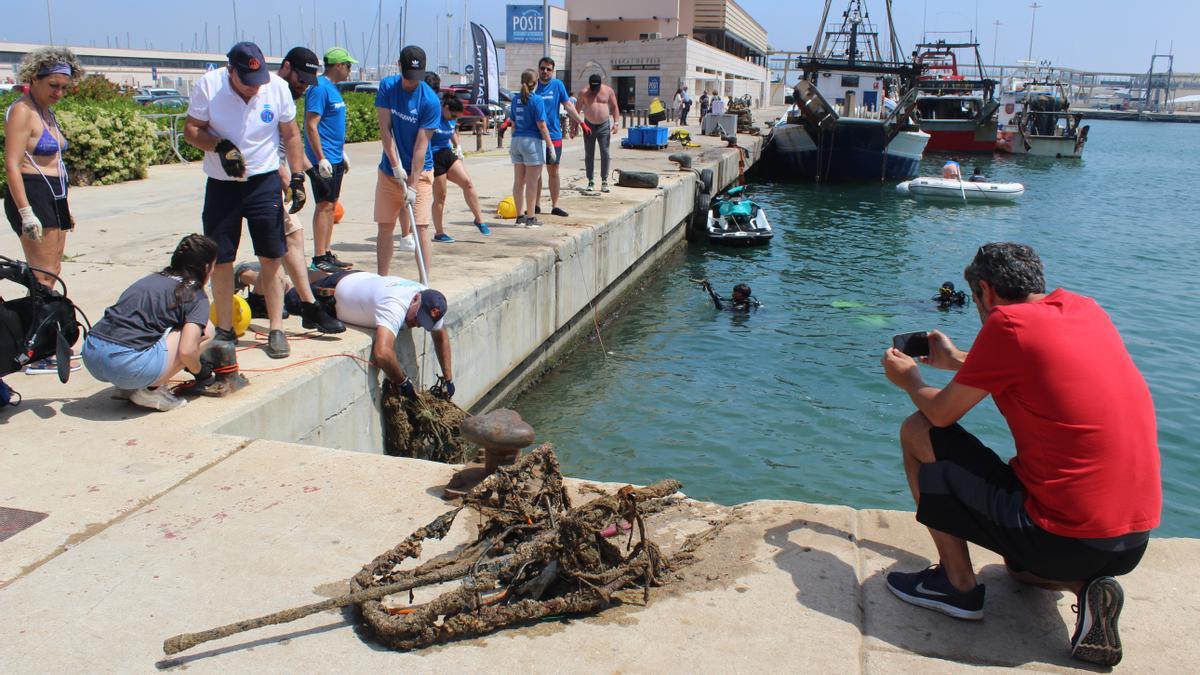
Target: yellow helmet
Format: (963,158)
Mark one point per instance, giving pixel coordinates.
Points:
(507,208)
(241,315)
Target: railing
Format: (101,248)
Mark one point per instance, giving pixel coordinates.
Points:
(174,133)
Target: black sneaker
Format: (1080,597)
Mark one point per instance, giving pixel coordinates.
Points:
(258,306)
(1096,639)
(332,257)
(557,212)
(324,263)
(931,589)
(225,335)
(537,209)
(520,220)
(277,345)
(313,316)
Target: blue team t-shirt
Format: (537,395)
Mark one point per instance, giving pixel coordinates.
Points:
(411,112)
(325,100)
(554,94)
(444,136)
(525,116)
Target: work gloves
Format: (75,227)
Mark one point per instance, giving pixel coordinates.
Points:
(325,168)
(401,176)
(407,389)
(458,152)
(443,388)
(587,128)
(295,193)
(205,372)
(231,158)
(30,225)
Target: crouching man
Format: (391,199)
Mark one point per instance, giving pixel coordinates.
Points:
(1075,506)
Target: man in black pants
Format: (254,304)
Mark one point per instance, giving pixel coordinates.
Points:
(239,115)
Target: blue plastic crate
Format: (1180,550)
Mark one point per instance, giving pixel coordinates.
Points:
(647,136)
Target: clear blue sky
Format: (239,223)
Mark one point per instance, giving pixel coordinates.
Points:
(1092,34)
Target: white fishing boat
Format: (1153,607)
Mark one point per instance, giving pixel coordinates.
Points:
(1035,119)
(954,189)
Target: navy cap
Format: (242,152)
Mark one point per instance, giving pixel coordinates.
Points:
(431,300)
(594,79)
(305,63)
(248,60)
(412,62)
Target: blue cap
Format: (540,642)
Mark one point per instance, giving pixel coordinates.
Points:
(431,300)
(247,59)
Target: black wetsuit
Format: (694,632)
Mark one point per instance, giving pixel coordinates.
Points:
(729,304)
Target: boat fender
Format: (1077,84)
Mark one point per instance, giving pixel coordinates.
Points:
(706,180)
(637,179)
(700,212)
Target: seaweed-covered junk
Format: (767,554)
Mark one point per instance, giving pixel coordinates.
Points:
(425,429)
(534,557)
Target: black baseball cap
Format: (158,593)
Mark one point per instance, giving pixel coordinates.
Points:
(247,59)
(412,63)
(594,79)
(305,63)
(430,300)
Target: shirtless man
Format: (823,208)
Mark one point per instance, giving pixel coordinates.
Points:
(598,106)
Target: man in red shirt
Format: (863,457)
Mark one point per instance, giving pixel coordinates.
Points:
(1075,506)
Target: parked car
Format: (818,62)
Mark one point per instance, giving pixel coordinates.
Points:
(168,102)
(158,92)
(352,85)
(369,87)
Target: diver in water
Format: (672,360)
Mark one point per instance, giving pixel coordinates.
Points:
(978,177)
(741,301)
(947,297)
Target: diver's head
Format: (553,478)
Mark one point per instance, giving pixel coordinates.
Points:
(741,293)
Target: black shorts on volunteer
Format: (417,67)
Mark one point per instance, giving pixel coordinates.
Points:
(970,493)
(327,189)
(320,287)
(556,147)
(258,199)
(442,161)
(50,210)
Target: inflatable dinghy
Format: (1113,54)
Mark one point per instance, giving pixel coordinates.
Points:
(953,189)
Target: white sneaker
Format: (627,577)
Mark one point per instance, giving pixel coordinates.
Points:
(157,399)
(407,244)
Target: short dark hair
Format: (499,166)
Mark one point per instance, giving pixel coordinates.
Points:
(433,80)
(742,289)
(546,59)
(452,101)
(1013,270)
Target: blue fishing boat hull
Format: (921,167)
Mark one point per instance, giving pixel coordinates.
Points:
(853,151)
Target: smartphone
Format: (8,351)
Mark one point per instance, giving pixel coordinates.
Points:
(914,344)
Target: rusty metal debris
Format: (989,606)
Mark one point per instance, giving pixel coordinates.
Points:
(423,429)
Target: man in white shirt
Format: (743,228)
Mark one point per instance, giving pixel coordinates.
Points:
(717,106)
(239,115)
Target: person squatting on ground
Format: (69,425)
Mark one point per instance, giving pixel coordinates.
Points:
(528,152)
(597,105)
(448,167)
(298,70)
(239,115)
(36,200)
(1075,506)
(408,112)
(155,329)
(554,97)
(324,146)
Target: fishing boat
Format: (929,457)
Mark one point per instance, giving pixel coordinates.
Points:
(853,110)
(955,189)
(958,113)
(735,220)
(1035,119)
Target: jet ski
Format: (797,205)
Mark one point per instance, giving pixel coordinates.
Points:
(735,220)
(928,187)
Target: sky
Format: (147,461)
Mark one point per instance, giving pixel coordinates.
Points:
(1112,35)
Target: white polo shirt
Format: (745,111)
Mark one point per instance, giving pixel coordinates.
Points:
(369,300)
(252,126)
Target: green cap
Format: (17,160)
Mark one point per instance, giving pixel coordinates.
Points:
(338,55)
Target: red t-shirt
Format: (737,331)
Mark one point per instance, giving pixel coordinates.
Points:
(1080,414)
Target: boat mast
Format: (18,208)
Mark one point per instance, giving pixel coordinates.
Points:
(819,40)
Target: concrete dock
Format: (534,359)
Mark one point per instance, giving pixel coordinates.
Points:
(162,523)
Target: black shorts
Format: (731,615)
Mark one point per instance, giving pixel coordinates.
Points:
(260,201)
(52,212)
(291,299)
(556,147)
(327,189)
(442,161)
(970,493)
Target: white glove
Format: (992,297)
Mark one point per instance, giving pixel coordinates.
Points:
(345,164)
(399,174)
(325,168)
(458,152)
(410,194)
(30,225)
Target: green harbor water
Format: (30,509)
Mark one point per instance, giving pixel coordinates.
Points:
(791,402)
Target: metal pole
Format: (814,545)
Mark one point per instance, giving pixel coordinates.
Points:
(235,21)
(49,22)
(995,40)
(449,48)
(1032,23)
(379,43)
(545,27)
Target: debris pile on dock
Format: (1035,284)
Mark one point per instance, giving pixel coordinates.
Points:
(745,122)
(424,429)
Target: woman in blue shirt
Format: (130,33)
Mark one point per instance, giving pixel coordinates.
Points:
(447,168)
(531,137)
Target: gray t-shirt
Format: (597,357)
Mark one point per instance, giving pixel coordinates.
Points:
(147,309)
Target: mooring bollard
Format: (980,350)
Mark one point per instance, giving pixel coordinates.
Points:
(501,433)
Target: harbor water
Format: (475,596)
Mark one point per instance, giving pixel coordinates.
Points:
(790,402)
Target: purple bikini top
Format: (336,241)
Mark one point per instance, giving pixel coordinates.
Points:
(47,144)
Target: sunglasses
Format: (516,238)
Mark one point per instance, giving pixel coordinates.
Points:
(546,69)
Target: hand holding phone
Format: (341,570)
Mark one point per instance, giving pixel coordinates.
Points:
(915,344)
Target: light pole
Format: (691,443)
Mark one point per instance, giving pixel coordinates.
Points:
(49,22)
(235,22)
(546,28)
(1032,23)
(449,45)
(995,40)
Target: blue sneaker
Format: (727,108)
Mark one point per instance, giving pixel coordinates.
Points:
(443,238)
(483,228)
(931,589)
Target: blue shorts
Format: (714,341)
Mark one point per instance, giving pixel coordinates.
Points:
(526,150)
(124,367)
(259,200)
